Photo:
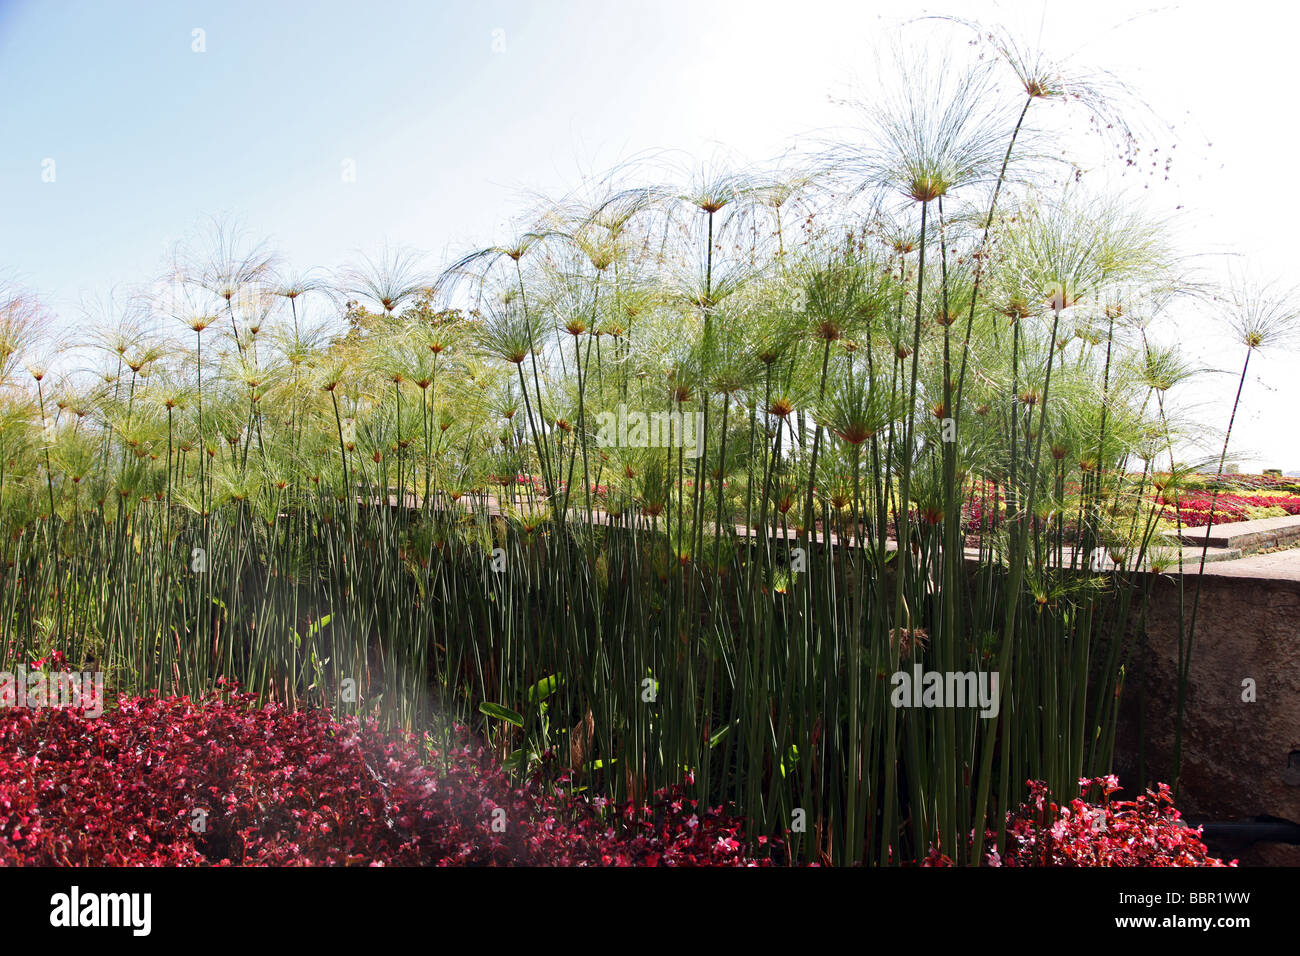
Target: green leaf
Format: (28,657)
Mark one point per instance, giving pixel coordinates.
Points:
(502,713)
(515,761)
(719,736)
(793,757)
(545,688)
(311,631)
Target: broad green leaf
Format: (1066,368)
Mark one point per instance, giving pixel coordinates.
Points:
(545,688)
(501,713)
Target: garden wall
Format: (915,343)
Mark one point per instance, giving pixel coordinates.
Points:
(1238,758)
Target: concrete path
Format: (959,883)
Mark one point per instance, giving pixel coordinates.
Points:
(1280,565)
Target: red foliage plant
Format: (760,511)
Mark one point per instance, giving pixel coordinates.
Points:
(172,781)
(1194,509)
(1147,831)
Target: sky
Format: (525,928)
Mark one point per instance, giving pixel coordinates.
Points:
(151,116)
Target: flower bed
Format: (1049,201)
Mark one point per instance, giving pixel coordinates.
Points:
(1147,831)
(1194,508)
(171,781)
(1226,482)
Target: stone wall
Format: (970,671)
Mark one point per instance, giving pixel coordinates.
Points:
(1237,753)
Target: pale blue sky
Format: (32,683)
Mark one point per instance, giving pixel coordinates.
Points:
(149,137)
